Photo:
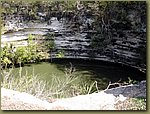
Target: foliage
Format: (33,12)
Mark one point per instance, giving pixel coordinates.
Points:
(138,104)
(132,104)
(130,81)
(106,14)
(50,44)
(69,5)
(60,54)
(100,41)
(3,28)
(23,83)
(88,88)
(20,55)
(100,9)
(56,88)
(7,54)
(114,16)
(12,55)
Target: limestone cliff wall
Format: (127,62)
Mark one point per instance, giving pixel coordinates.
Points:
(118,34)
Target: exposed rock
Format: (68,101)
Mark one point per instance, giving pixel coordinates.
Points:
(10,98)
(127,44)
(137,90)
(104,100)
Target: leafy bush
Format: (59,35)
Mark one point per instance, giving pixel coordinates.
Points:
(20,55)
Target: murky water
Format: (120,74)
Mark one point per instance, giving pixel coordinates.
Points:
(86,71)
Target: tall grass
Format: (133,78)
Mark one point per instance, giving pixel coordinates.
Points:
(56,88)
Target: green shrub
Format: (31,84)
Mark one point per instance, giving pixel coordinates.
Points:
(23,54)
(60,54)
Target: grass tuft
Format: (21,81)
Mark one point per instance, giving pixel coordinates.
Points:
(56,88)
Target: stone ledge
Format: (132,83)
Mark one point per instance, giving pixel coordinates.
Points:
(104,100)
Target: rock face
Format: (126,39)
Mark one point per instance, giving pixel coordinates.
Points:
(104,100)
(127,44)
(130,51)
(137,90)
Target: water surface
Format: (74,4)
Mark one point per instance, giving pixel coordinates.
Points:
(86,71)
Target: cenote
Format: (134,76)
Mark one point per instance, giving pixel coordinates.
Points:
(83,42)
(87,71)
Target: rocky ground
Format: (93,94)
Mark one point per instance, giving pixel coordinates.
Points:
(110,99)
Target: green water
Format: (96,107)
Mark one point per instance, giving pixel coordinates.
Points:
(86,72)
